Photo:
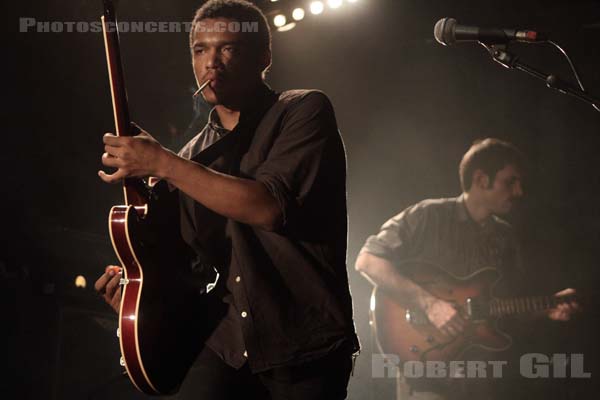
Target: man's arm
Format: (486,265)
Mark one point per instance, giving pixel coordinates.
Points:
(243,200)
(282,182)
(383,274)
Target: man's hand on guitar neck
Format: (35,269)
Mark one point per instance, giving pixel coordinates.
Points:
(133,156)
(108,286)
(249,201)
(564,311)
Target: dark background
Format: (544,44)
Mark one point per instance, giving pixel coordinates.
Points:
(407,107)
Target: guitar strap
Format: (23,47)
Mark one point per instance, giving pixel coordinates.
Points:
(203,229)
(210,154)
(239,139)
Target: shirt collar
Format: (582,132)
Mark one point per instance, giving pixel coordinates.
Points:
(214,123)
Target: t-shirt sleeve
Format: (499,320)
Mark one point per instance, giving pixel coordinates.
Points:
(302,148)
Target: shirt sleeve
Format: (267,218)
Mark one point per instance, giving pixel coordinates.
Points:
(399,236)
(299,152)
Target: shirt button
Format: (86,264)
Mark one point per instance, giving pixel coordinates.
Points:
(238,279)
(244,314)
(245,353)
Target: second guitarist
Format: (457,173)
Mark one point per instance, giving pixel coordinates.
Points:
(464,234)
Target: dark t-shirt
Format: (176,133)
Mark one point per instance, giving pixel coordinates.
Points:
(286,292)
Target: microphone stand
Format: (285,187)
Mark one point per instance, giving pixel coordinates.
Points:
(500,54)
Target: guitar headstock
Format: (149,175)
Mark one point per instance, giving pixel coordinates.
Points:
(108,10)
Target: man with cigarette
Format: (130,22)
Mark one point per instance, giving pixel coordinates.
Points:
(276,211)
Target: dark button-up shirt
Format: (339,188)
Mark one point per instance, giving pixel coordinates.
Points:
(286,292)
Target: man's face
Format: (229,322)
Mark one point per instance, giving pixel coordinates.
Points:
(227,59)
(505,190)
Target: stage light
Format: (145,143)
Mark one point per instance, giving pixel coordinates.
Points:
(316,7)
(287,27)
(80,282)
(298,14)
(279,20)
(334,3)
(352,1)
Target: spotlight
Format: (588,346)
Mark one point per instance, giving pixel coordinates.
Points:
(279,20)
(352,1)
(298,14)
(316,7)
(334,3)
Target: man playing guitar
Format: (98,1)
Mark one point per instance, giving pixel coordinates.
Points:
(463,235)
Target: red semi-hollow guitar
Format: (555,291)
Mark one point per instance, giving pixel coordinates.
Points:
(410,335)
(159,326)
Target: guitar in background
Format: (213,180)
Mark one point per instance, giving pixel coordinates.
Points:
(408,333)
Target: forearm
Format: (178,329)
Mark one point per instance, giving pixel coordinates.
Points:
(242,200)
(386,277)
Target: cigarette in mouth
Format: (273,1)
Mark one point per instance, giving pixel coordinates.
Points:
(201,88)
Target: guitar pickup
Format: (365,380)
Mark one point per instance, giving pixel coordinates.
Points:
(470,307)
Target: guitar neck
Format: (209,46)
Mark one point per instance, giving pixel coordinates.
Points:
(115,70)
(524,305)
(133,189)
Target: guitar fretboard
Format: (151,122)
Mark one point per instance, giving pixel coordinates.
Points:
(523,305)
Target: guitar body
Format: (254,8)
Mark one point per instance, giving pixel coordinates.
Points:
(160,332)
(409,334)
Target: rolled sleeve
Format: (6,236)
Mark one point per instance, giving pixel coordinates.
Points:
(294,162)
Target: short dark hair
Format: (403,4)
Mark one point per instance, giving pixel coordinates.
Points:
(240,11)
(489,155)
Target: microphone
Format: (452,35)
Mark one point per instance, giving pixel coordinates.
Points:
(448,32)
